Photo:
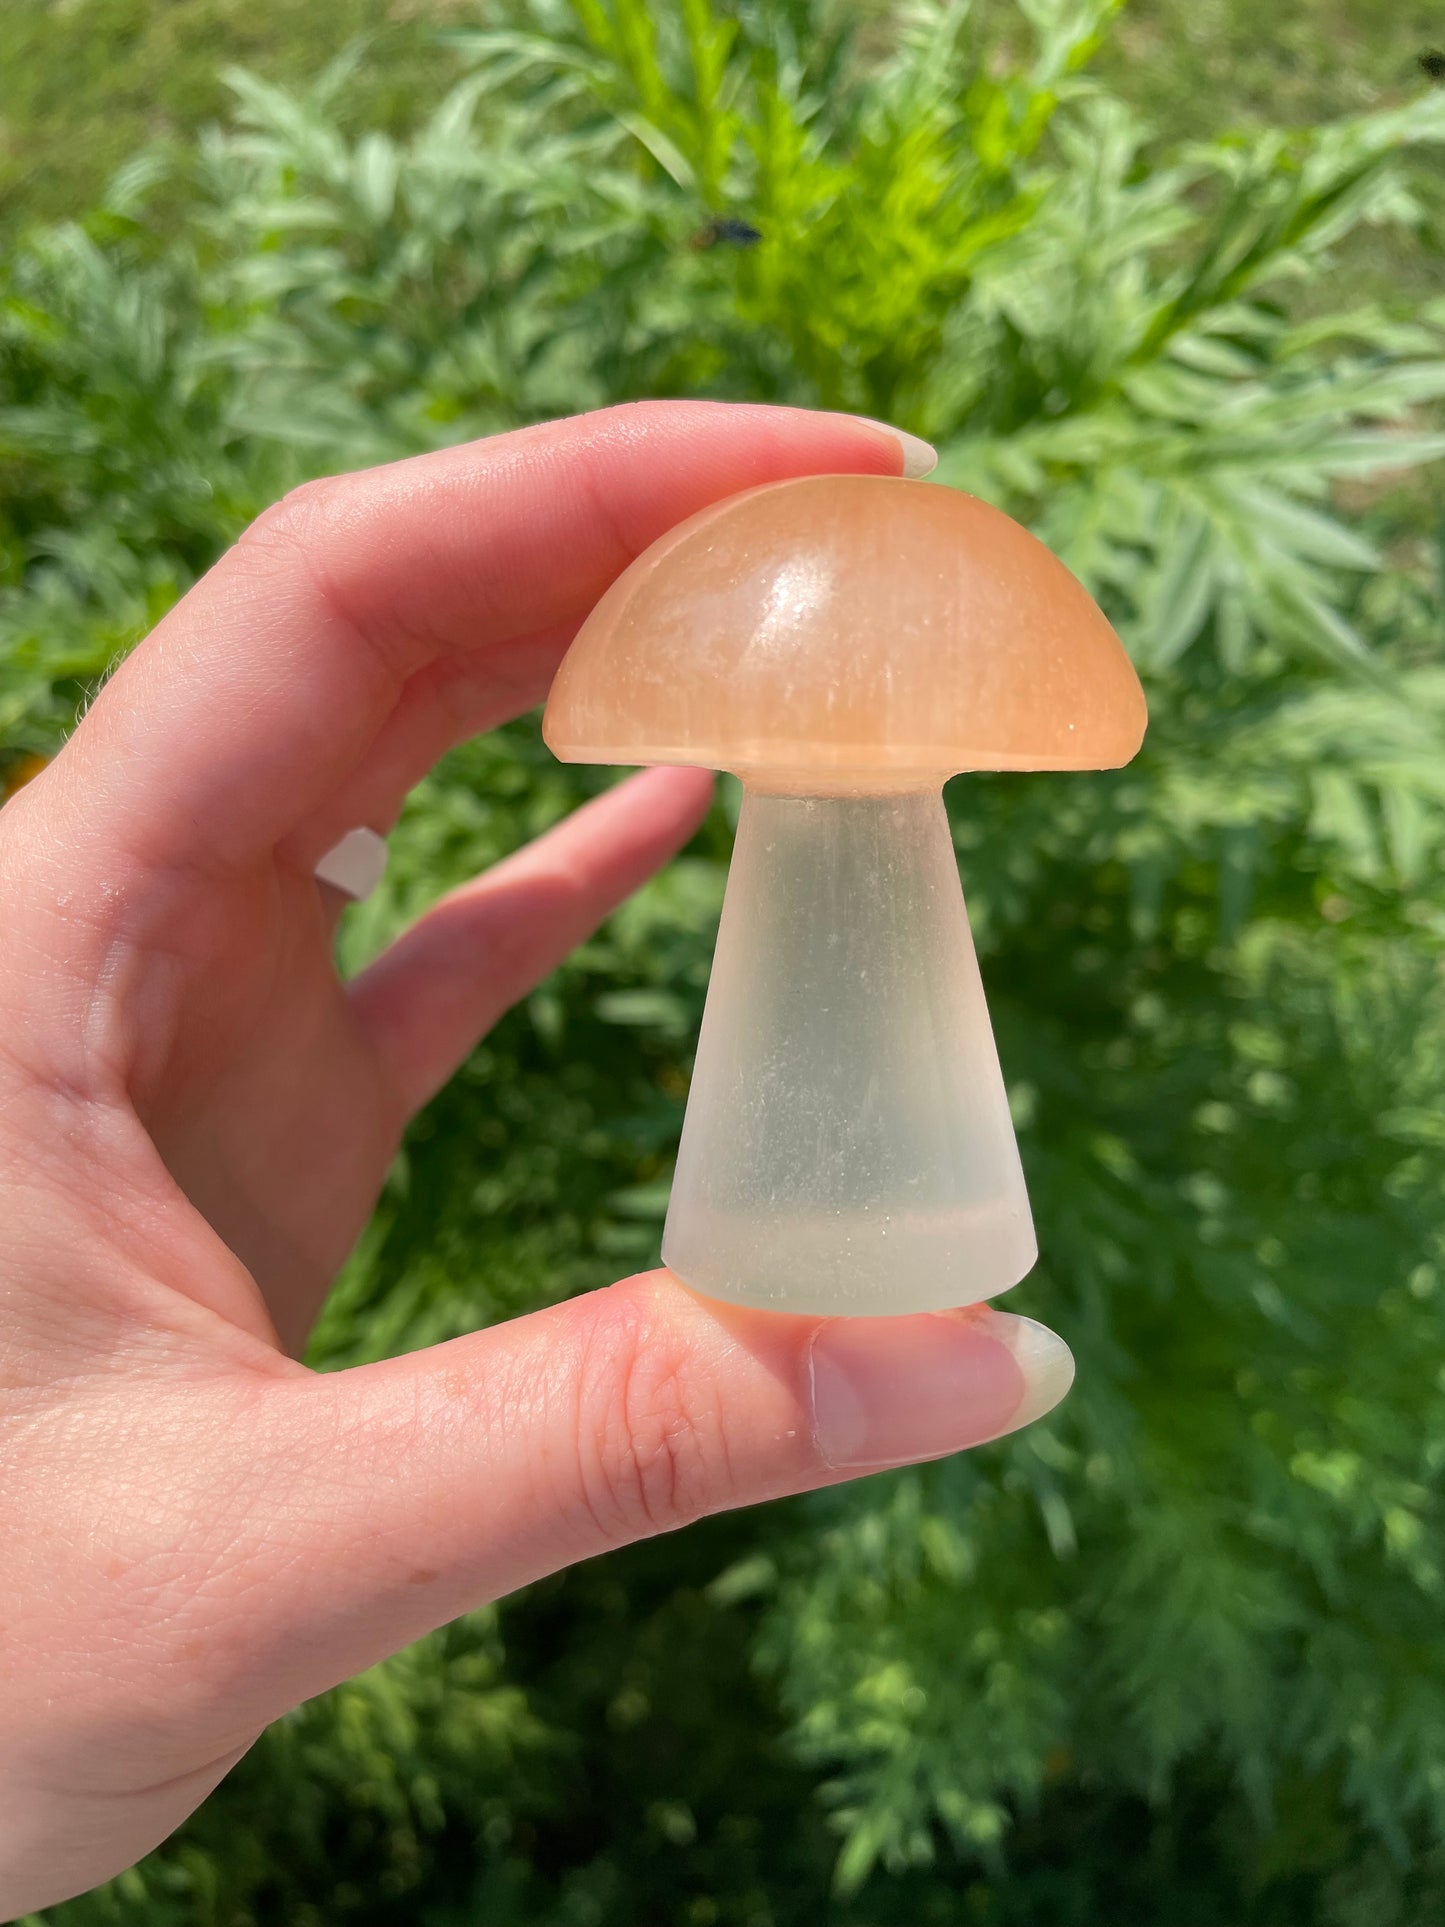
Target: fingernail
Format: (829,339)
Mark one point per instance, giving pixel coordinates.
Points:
(920,458)
(887,1391)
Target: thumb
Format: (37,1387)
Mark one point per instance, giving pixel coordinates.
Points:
(406,1492)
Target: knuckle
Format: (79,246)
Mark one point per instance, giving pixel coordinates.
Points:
(322,534)
(295,522)
(653,1449)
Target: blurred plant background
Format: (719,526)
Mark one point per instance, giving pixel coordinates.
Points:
(1165,286)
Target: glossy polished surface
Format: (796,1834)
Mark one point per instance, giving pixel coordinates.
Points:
(852,633)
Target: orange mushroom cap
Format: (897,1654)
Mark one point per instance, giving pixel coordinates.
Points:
(847,632)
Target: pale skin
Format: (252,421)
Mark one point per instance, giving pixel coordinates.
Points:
(196,1114)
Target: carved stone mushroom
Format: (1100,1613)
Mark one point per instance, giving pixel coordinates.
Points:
(844,644)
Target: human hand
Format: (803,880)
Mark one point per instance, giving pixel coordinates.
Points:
(196,1115)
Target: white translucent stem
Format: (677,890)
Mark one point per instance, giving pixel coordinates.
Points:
(848,1146)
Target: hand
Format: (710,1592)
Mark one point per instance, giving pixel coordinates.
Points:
(196,1115)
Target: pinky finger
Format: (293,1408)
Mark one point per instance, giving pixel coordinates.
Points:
(428,998)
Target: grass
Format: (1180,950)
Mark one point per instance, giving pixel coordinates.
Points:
(85,83)
(1202,66)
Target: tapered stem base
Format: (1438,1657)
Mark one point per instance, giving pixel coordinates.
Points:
(848,1146)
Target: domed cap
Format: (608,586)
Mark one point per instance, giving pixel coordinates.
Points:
(851,626)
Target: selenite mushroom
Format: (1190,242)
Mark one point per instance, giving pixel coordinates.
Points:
(843,644)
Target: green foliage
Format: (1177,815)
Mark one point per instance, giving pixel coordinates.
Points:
(1175,1653)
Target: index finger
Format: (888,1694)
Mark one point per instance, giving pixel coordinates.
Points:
(264,689)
